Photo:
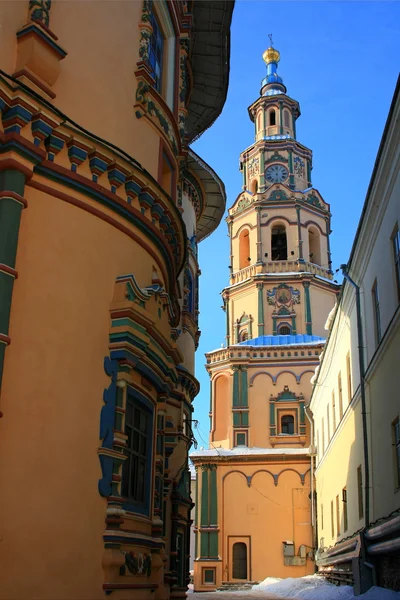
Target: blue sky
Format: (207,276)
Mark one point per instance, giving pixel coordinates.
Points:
(340,60)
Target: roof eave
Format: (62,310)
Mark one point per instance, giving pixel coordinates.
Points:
(210,64)
(214,192)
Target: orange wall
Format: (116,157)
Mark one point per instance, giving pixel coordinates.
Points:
(67,262)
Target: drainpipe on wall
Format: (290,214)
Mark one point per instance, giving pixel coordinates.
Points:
(363,570)
(362,389)
(311,421)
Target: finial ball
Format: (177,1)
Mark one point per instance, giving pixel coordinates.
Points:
(271,55)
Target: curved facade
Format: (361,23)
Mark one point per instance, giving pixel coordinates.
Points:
(101,209)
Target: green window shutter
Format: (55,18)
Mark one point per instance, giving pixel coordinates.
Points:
(236,419)
(245,418)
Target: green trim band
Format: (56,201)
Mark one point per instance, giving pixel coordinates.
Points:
(12,181)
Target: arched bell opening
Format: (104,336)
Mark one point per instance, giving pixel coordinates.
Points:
(314,244)
(279,243)
(244,249)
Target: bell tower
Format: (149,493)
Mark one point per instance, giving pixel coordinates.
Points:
(279,225)
(279,295)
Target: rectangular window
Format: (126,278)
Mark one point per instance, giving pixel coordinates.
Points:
(333,412)
(396,444)
(332,521)
(340,395)
(396,251)
(156,53)
(287,424)
(322,517)
(360,492)
(208,576)
(136,466)
(328,424)
(323,436)
(376,312)
(348,369)
(337,516)
(240,418)
(240,438)
(344,500)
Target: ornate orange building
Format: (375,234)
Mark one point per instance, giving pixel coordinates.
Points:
(102,205)
(255,497)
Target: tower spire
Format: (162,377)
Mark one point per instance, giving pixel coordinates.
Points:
(272,81)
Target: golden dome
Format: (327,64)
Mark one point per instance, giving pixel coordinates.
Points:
(271,55)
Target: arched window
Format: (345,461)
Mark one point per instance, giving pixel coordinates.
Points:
(243,335)
(272,117)
(259,122)
(314,245)
(284,329)
(244,249)
(287,424)
(279,243)
(286,118)
(254,186)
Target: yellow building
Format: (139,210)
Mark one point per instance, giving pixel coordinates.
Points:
(355,400)
(254,504)
(102,204)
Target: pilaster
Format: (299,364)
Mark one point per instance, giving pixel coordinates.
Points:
(12,185)
(260,308)
(300,241)
(259,242)
(306,285)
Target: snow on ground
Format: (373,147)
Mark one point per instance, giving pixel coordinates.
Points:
(312,587)
(315,587)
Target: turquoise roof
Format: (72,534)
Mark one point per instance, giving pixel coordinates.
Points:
(282,340)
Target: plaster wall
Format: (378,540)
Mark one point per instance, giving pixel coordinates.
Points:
(69,300)
(385,409)
(264,382)
(284,509)
(378,253)
(338,470)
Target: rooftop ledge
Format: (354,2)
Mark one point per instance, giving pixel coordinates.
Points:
(245,451)
(275,347)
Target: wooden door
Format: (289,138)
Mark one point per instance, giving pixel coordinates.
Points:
(238,558)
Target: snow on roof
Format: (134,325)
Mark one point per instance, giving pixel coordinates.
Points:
(192,470)
(282,340)
(245,451)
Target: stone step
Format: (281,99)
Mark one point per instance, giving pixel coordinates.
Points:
(233,586)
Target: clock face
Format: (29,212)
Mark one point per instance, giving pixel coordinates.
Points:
(276,174)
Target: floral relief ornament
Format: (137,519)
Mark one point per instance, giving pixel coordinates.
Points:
(39,10)
(298,166)
(254,167)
